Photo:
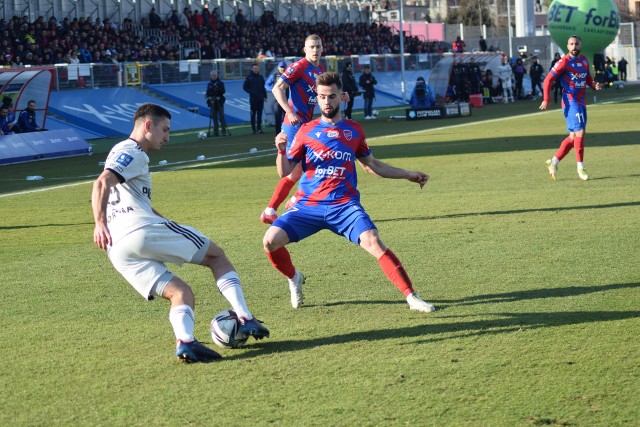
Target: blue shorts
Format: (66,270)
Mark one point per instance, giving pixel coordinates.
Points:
(291,131)
(575,116)
(348,219)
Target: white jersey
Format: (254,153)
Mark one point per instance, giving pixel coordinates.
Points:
(129,206)
(505,73)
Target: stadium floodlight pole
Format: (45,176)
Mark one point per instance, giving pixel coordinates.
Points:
(400,13)
(509,25)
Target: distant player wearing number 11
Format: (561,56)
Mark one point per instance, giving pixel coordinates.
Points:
(572,70)
(327,149)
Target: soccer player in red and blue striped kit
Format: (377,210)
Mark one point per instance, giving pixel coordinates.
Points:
(327,198)
(300,80)
(572,70)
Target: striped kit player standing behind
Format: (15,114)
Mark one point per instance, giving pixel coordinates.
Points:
(326,149)
(139,241)
(572,71)
(300,79)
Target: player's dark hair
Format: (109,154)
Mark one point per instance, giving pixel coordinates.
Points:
(151,111)
(573,36)
(329,78)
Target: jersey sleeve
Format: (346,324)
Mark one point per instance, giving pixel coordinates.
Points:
(297,150)
(546,86)
(292,73)
(126,164)
(557,69)
(362,150)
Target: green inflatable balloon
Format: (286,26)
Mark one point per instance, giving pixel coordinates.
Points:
(596,22)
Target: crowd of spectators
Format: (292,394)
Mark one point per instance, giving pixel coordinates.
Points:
(607,71)
(468,78)
(88,40)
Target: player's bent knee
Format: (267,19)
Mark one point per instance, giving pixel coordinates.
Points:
(274,239)
(214,251)
(370,241)
(269,245)
(178,292)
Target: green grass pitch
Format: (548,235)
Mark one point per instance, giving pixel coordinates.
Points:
(536,282)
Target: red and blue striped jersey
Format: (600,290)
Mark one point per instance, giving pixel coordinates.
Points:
(328,153)
(301,78)
(574,78)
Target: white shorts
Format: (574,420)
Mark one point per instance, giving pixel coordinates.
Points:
(140,255)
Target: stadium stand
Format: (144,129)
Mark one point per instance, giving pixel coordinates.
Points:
(199,35)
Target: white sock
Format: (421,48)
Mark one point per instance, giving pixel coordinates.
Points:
(230,288)
(183,321)
(555,160)
(270,211)
(580,165)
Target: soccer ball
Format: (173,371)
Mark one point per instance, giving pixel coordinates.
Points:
(202,135)
(225,330)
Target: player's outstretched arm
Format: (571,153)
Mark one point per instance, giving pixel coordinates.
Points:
(384,170)
(546,91)
(283,164)
(99,198)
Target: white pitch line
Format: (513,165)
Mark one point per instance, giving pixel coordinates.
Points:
(270,151)
(415,132)
(39,190)
(58,187)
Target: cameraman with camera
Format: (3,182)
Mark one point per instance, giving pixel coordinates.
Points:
(215,101)
(367,82)
(350,86)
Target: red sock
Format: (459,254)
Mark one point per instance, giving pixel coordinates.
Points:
(393,269)
(281,192)
(578,145)
(564,149)
(281,260)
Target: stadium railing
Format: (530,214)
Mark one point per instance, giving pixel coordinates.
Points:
(138,74)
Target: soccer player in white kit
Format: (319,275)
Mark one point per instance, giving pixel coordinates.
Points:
(139,240)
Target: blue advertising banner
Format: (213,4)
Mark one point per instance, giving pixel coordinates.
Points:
(236,107)
(191,95)
(110,111)
(27,147)
(55,124)
(13,149)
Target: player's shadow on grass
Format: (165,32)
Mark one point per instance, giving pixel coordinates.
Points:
(531,294)
(511,212)
(435,330)
(597,178)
